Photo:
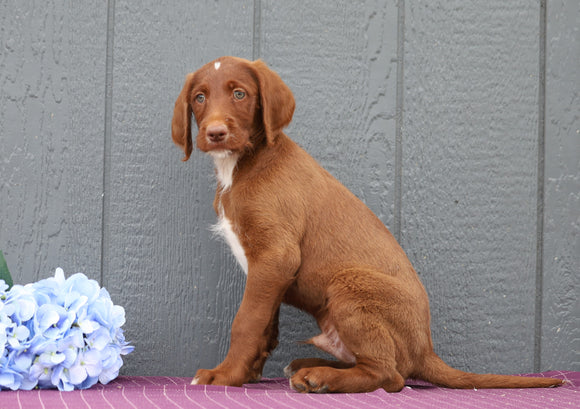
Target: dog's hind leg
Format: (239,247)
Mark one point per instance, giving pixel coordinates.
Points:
(366,375)
(358,327)
(298,364)
(359,378)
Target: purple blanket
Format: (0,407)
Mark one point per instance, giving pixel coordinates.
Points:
(164,392)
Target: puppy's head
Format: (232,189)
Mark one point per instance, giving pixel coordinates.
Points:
(236,103)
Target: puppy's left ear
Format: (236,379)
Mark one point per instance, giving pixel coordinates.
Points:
(276,100)
(181,123)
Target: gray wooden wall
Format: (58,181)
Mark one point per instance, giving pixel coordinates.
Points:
(457,122)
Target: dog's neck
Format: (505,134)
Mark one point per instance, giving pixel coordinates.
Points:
(225,163)
(262,155)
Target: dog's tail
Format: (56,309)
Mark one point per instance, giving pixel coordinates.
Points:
(439,373)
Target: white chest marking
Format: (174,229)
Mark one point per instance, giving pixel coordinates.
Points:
(225,163)
(217,65)
(224,229)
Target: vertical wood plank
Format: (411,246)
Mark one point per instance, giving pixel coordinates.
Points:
(340,62)
(470,175)
(180,287)
(561,257)
(51,130)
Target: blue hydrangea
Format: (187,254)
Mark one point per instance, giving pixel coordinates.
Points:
(59,333)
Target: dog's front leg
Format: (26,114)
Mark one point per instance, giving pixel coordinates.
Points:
(272,344)
(254,331)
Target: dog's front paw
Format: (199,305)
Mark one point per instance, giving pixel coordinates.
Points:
(218,377)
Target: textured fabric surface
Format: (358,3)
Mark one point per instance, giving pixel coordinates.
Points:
(165,392)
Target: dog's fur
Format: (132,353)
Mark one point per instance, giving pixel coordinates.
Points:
(306,240)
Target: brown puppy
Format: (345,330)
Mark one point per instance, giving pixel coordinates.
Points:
(304,239)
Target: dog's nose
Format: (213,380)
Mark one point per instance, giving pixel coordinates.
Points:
(216,133)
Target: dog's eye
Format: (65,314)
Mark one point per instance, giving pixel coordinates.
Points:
(239,94)
(200,98)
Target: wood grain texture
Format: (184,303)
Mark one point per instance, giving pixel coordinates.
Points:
(470,175)
(561,257)
(179,286)
(340,62)
(51,130)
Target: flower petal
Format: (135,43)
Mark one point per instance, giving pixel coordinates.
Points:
(77,374)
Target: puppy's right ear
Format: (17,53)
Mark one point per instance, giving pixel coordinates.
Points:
(181,123)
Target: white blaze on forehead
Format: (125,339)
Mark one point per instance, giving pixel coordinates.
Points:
(217,65)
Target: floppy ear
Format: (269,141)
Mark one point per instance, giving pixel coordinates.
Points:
(181,123)
(276,100)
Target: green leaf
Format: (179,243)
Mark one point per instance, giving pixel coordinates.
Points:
(4,273)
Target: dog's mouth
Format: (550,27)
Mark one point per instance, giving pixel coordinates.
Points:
(229,141)
(217,145)
(220,153)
